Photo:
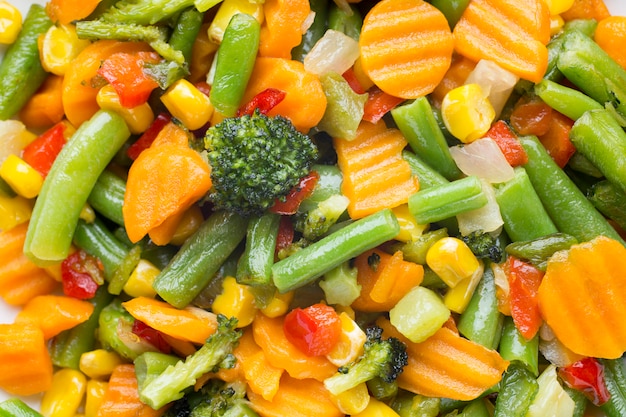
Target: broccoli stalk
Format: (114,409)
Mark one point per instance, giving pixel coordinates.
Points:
(316,222)
(170,384)
(382,358)
(215,399)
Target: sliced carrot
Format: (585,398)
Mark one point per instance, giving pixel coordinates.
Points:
(610,34)
(511,33)
(586,9)
(165,180)
(281,353)
(25,364)
(121,399)
(45,107)
(375,176)
(191,324)
(579,297)
(447,365)
(262,377)
(282,27)
(296,398)
(55,313)
(556,140)
(406,47)
(460,68)
(384,279)
(304,103)
(163,233)
(67,11)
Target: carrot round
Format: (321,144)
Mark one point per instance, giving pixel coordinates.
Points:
(578,297)
(282,26)
(406,47)
(67,11)
(610,34)
(586,9)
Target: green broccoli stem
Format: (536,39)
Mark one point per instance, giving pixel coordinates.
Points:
(515,348)
(329,252)
(419,126)
(538,251)
(185,31)
(517,390)
(572,103)
(149,365)
(255,265)
(107,196)
(567,206)
(15,407)
(524,218)
(200,258)
(145,12)
(615,380)
(347,23)
(482,322)
(69,183)
(314,32)
(610,200)
(95,239)
(555,46)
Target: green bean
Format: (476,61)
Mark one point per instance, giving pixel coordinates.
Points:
(186,30)
(255,265)
(407,404)
(451,9)
(610,200)
(95,239)
(15,407)
(313,261)
(314,32)
(568,101)
(150,364)
(21,72)
(579,163)
(107,196)
(615,380)
(111,320)
(124,270)
(580,401)
(538,251)
(200,258)
(68,185)
(555,46)
(515,348)
(517,390)
(415,250)
(476,408)
(345,22)
(428,176)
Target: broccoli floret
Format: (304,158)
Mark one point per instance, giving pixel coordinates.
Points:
(382,358)
(215,399)
(255,160)
(316,222)
(484,245)
(174,380)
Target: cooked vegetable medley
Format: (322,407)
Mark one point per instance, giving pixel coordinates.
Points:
(285,208)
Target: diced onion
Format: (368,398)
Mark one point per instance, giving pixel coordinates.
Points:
(495,80)
(484,159)
(486,219)
(334,52)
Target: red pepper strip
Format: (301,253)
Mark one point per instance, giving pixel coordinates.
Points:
(587,376)
(524,280)
(507,141)
(556,140)
(300,192)
(203,87)
(286,234)
(265,101)
(41,153)
(151,335)
(531,116)
(378,104)
(146,139)
(81,275)
(124,71)
(314,330)
(353,81)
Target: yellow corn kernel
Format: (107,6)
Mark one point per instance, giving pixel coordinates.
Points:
(227,10)
(377,408)
(452,260)
(140,282)
(278,305)
(457,298)
(236,300)
(467,112)
(350,344)
(556,24)
(559,6)
(191,221)
(410,230)
(188,104)
(23,179)
(138,118)
(65,394)
(58,47)
(10,22)
(14,211)
(354,400)
(99,363)
(94,396)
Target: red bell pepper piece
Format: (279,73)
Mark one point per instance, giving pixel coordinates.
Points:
(146,139)
(124,71)
(41,153)
(524,280)
(315,330)
(378,104)
(587,376)
(513,151)
(264,101)
(300,192)
(531,116)
(285,235)
(556,140)
(353,81)
(151,335)
(81,275)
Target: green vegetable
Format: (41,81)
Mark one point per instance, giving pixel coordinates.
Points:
(255,264)
(517,391)
(185,31)
(344,21)
(538,251)
(610,200)
(407,404)
(255,160)
(115,330)
(15,407)
(340,285)
(615,380)
(419,314)
(149,365)
(124,270)
(145,12)
(514,347)
(68,185)
(551,399)
(107,196)
(21,72)
(344,108)
(476,408)
(314,32)
(235,61)
(484,246)
(383,358)
(317,222)
(572,103)
(215,399)
(415,250)
(327,185)
(427,175)
(451,9)
(555,46)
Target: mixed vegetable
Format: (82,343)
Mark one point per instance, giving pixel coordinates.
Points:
(285,208)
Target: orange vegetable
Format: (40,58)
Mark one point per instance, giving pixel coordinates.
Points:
(80,84)
(304,103)
(385,281)
(578,297)
(531,116)
(524,280)
(586,9)
(282,27)
(25,365)
(163,233)
(261,376)
(375,176)
(281,353)
(54,313)
(66,11)
(460,68)
(556,140)
(448,365)
(164,181)
(45,107)
(121,398)
(191,324)
(296,398)
(406,47)
(513,34)
(610,34)
(201,55)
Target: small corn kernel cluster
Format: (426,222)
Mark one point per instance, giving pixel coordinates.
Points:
(188,104)
(410,230)
(138,118)
(236,300)
(10,22)
(23,179)
(58,47)
(140,282)
(467,112)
